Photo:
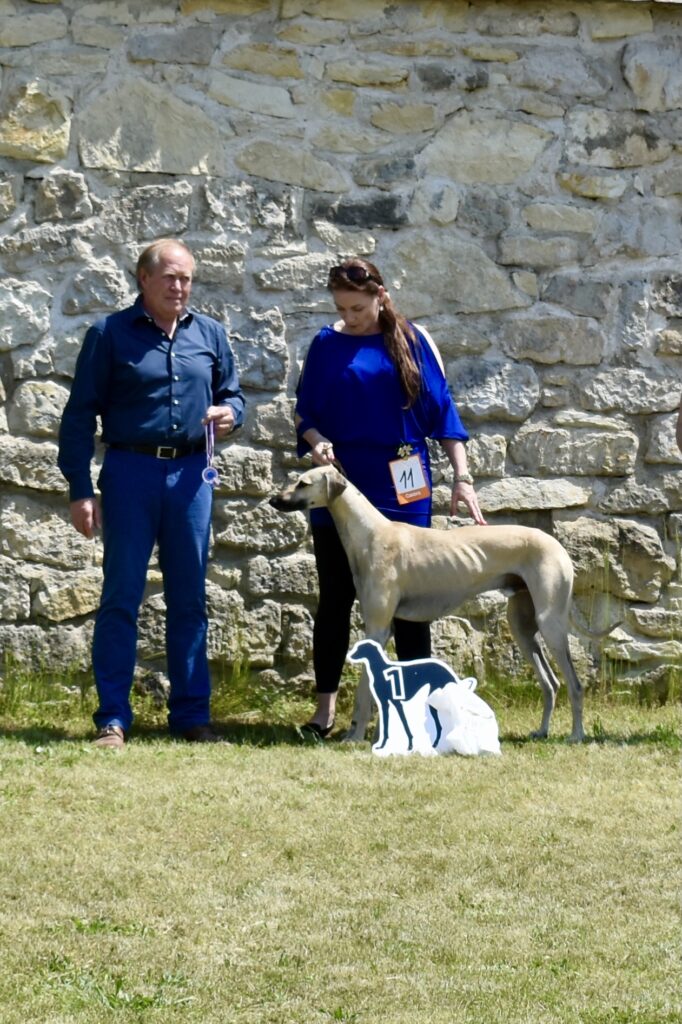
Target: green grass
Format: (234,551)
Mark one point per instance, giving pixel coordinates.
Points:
(277,882)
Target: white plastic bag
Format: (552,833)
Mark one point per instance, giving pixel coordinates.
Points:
(469,726)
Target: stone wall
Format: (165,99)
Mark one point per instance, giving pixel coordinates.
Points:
(513,167)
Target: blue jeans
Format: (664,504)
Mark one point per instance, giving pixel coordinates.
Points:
(146,500)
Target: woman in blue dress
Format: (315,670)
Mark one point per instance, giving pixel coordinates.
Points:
(371,392)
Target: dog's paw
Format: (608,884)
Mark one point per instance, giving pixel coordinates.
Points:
(355,734)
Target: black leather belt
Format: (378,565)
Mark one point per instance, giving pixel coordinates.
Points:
(162,451)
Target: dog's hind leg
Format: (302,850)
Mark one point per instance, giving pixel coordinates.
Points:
(524,627)
(555,634)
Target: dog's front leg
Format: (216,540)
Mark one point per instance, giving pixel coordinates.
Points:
(363,709)
(362,712)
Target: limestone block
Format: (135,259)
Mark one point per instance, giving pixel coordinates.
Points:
(33,360)
(265,59)
(33,533)
(67,595)
(373,210)
(8,201)
(222,264)
(25,463)
(552,451)
(100,287)
(561,72)
(151,211)
(434,46)
(385,173)
(292,574)
(507,19)
(662,446)
(36,408)
(449,14)
(486,454)
(62,196)
(238,634)
(271,423)
(365,73)
(441,271)
(191,44)
(484,52)
(15,594)
(623,558)
(345,243)
(28,29)
(634,498)
(297,635)
(464,75)
(604,138)
(580,296)
(483,148)
(112,11)
(630,391)
(661,622)
(67,60)
(58,649)
(435,201)
(311,33)
(519,494)
(624,647)
(653,70)
(338,139)
(336,10)
(560,218)
(483,212)
(606,20)
(666,296)
(258,528)
(339,101)
(65,352)
(554,339)
(645,231)
(36,123)
(296,273)
(669,182)
(50,244)
(248,95)
(537,252)
(277,161)
(241,8)
(141,126)
(406,118)
(224,575)
(24,312)
(670,341)
(593,186)
(261,351)
(88,32)
(244,471)
(493,388)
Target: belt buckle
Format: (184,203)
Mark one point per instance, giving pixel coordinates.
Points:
(164,451)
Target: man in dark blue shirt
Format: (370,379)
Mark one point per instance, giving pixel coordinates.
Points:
(162,379)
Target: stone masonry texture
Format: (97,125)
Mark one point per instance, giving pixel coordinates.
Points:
(515,170)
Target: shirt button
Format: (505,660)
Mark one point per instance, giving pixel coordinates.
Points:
(176,401)
(176,377)
(175,426)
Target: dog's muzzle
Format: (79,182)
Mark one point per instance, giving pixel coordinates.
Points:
(283,504)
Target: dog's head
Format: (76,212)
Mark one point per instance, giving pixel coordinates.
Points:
(316,488)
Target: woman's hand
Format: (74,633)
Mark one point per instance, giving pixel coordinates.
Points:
(323,452)
(465,493)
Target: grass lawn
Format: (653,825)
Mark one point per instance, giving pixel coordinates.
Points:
(277,882)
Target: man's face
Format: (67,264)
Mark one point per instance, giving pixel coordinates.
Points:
(166,287)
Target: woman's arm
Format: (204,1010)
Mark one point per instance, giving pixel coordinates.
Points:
(462,486)
(321,448)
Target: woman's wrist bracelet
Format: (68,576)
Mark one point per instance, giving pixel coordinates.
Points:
(463,478)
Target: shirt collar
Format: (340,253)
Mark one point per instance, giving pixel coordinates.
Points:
(140,313)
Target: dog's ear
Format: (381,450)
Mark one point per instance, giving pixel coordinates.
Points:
(336,485)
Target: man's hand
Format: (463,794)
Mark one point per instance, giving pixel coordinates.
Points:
(86,516)
(222,417)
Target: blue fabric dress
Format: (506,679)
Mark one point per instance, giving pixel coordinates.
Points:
(350,391)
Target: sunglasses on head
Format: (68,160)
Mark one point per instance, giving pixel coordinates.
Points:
(358,275)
